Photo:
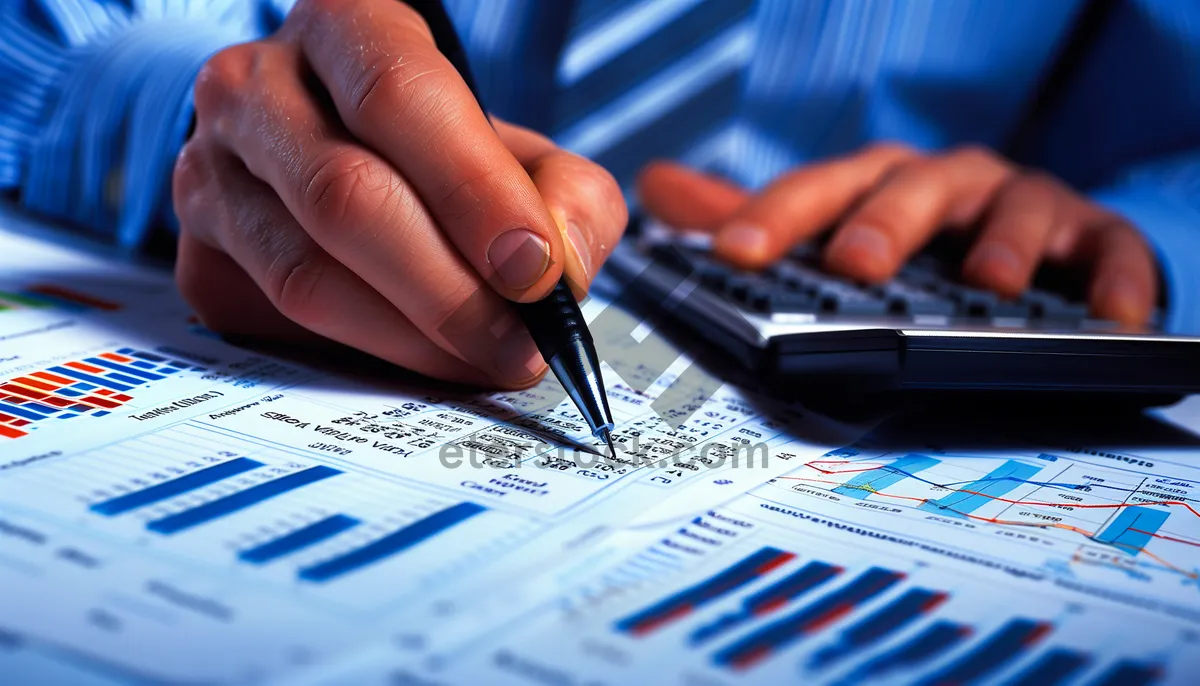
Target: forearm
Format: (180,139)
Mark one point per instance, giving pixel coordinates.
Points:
(97,102)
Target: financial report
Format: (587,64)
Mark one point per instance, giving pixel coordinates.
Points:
(174,509)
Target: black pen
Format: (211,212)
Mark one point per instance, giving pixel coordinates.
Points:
(556,322)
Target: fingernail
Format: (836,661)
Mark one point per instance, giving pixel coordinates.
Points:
(998,259)
(744,238)
(580,244)
(864,242)
(518,359)
(520,257)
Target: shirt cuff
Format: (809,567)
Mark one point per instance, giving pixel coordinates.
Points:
(1172,226)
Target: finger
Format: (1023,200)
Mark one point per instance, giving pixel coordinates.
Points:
(1014,236)
(687,199)
(584,199)
(226,299)
(234,212)
(358,208)
(398,94)
(913,202)
(1124,283)
(801,204)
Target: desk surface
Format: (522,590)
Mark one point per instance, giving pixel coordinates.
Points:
(173,508)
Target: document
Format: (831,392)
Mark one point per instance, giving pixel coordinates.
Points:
(174,509)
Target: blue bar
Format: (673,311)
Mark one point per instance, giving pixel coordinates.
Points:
(866,483)
(169,370)
(103,383)
(1014,638)
(1121,535)
(936,639)
(9,408)
(879,625)
(125,351)
(391,544)
(239,501)
(68,415)
(83,386)
(1126,673)
(177,363)
(69,393)
(124,378)
(285,545)
(124,368)
(775,636)
(793,586)
(174,487)
(1051,669)
(100,413)
(143,364)
(41,409)
(998,482)
(750,568)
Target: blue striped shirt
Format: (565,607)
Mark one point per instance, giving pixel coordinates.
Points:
(95,94)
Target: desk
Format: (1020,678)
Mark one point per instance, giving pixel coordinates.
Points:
(174,508)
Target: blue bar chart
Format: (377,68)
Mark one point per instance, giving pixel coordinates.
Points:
(865,483)
(392,544)
(1129,673)
(683,603)
(761,644)
(811,576)
(901,612)
(304,537)
(240,500)
(1132,529)
(936,639)
(1006,644)
(1053,668)
(175,487)
(972,496)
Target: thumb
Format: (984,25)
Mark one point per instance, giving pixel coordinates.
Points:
(687,199)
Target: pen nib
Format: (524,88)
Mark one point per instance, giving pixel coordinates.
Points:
(608,439)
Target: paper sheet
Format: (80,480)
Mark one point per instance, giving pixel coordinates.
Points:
(176,509)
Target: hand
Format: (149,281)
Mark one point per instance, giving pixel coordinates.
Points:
(343,184)
(884,202)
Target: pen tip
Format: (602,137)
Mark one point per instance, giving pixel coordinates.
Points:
(611,446)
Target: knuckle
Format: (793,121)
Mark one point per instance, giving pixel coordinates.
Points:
(891,150)
(348,191)
(398,86)
(224,76)
(974,154)
(292,283)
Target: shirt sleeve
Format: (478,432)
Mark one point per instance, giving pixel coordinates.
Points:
(1162,199)
(96,101)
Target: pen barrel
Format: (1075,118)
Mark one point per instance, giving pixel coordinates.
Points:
(558,328)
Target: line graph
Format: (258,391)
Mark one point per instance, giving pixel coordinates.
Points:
(1120,510)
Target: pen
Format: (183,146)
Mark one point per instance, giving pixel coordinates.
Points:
(555,322)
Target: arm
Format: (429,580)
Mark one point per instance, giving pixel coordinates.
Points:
(98,100)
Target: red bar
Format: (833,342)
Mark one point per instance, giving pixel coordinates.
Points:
(104,391)
(13,388)
(107,404)
(115,357)
(57,401)
(19,422)
(123,398)
(54,377)
(34,383)
(6,417)
(85,367)
(10,432)
(82,299)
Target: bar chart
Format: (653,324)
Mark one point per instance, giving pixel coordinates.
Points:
(772,613)
(92,386)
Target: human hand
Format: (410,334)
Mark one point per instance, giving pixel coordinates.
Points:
(884,202)
(342,183)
